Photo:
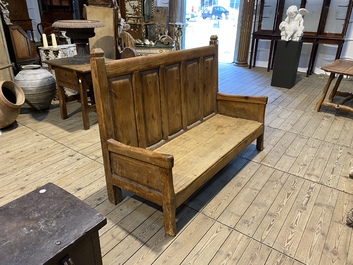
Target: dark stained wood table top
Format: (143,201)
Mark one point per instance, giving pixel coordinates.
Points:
(41,224)
(71,64)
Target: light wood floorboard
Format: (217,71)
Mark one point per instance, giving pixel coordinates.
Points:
(284,205)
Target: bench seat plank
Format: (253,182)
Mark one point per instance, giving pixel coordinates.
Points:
(196,150)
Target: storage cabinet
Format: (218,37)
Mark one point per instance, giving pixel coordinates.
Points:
(53,10)
(56,9)
(6,69)
(326,23)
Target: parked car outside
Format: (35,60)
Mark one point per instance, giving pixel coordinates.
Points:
(191,16)
(215,12)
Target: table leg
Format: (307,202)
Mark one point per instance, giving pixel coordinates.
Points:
(84,103)
(323,95)
(334,90)
(91,95)
(255,52)
(270,55)
(251,52)
(273,56)
(62,101)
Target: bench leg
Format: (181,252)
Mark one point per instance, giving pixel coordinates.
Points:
(260,143)
(169,212)
(115,194)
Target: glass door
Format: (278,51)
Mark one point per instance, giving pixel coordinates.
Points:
(216,17)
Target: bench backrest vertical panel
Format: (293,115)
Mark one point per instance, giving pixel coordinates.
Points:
(151,108)
(171,99)
(192,91)
(209,91)
(164,103)
(122,102)
(183,95)
(201,88)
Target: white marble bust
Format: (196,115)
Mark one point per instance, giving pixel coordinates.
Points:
(292,27)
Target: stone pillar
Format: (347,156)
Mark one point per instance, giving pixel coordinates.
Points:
(176,11)
(245,32)
(176,21)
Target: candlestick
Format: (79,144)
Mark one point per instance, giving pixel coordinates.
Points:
(45,41)
(53,41)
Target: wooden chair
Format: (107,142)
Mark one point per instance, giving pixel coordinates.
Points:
(23,49)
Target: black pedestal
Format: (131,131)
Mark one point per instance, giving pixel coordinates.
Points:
(286,62)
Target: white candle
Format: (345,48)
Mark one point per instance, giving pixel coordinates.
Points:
(45,41)
(53,41)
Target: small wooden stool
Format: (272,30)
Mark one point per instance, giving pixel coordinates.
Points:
(340,67)
(50,226)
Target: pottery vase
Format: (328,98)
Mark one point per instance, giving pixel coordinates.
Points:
(38,85)
(11,100)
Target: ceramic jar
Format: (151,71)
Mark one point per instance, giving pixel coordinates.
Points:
(38,85)
(11,100)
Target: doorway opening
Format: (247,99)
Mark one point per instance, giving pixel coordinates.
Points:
(212,17)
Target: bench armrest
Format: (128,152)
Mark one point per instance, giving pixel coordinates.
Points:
(145,173)
(245,107)
(141,154)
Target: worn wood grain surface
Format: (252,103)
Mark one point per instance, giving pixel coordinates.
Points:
(293,213)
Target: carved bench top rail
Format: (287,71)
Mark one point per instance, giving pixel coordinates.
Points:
(141,63)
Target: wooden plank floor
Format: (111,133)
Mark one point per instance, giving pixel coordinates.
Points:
(284,205)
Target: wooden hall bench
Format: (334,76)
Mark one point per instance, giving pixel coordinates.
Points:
(164,128)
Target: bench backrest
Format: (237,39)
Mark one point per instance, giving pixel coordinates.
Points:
(144,100)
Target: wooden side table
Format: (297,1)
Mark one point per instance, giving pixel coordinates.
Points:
(50,226)
(76,76)
(340,67)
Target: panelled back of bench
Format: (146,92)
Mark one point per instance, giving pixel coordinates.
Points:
(144,100)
